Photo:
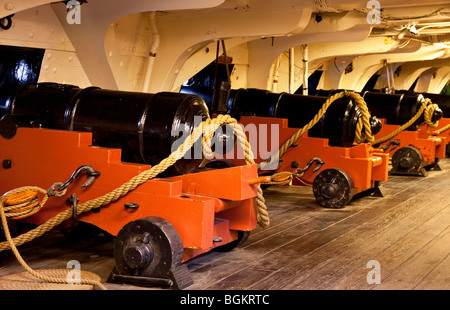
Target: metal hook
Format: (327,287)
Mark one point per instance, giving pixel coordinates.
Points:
(85,168)
(316,160)
(393,143)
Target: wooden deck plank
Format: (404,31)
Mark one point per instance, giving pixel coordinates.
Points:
(304,265)
(298,269)
(365,242)
(438,278)
(395,253)
(411,272)
(299,256)
(242,278)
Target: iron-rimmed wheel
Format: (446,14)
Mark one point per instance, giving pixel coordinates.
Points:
(407,160)
(148,247)
(333,188)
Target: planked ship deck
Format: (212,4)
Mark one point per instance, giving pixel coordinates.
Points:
(306,247)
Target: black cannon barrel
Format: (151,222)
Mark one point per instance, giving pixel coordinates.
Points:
(397,108)
(338,124)
(146,127)
(442,100)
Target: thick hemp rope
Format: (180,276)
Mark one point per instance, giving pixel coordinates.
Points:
(428,114)
(441,130)
(360,134)
(58,276)
(208,126)
(427,108)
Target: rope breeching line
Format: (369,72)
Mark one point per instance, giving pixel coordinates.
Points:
(58,276)
(427,108)
(207,128)
(363,131)
(441,130)
(429,114)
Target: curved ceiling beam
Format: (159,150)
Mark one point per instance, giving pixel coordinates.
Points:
(324,53)
(410,71)
(332,28)
(112,8)
(433,80)
(15,6)
(441,78)
(88,38)
(365,67)
(182,35)
(343,53)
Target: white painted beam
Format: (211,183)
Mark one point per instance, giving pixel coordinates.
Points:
(183,35)
(88,38)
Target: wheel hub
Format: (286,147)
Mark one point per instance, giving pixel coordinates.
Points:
(405,162)
(329,190)
(138,255)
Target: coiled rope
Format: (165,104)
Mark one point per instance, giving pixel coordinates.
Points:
(22,204)
(207,129)
(286,177)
